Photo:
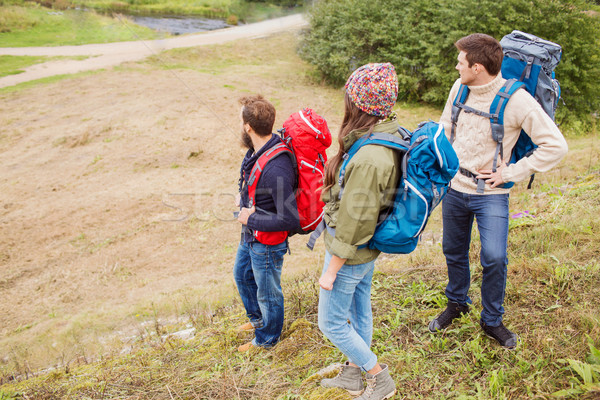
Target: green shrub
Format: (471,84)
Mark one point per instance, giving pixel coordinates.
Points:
(418,38)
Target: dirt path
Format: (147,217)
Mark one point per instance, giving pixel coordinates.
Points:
(111,54)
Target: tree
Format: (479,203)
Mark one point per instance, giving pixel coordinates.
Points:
(418,38)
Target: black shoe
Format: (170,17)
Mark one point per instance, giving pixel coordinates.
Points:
(452,311)
(502,335)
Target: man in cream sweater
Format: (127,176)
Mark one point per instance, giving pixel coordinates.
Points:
(479,61)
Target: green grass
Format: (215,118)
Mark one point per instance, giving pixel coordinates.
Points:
(46,81)
(37,26)
(12,65)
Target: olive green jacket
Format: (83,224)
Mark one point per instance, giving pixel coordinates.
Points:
(370,181)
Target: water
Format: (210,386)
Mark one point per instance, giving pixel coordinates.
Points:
(179,25)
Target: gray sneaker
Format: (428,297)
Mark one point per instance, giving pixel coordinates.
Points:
(349,378)
(380,386)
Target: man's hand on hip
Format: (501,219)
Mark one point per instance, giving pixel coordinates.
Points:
(493,178)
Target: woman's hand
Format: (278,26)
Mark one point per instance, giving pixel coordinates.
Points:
(326,280)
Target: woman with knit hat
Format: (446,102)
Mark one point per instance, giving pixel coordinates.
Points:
(369,184)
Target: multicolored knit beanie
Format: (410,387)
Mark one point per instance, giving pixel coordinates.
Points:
(373,88)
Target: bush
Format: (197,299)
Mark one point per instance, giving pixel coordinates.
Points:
(418,38)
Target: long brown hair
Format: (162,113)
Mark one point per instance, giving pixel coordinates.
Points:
(354,119)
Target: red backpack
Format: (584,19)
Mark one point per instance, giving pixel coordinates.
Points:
(305,135)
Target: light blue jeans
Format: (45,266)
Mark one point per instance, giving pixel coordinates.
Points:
(349,300)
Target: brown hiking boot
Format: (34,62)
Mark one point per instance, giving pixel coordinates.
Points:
(245,327)
(245,347)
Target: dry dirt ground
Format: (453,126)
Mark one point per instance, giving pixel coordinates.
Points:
(116,193)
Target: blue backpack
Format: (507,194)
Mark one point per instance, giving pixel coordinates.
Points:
(528,63)
(428,165)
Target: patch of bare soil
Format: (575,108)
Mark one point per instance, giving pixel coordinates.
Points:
(116,191)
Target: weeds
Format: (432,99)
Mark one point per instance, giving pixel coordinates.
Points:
(16,18)
(585,381)
(550,302)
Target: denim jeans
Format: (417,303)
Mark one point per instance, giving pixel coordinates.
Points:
(257,273)
(349,300)
(491,213)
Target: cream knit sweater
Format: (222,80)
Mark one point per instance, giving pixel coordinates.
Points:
(473,138)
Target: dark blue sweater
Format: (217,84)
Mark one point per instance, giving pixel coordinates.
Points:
(276,208)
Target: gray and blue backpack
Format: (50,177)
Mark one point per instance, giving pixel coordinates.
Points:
(528,63)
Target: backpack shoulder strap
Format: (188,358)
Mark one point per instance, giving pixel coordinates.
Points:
(259,166)
(457,106)
(375,138)
(497,115)
(501,100)
(393,142)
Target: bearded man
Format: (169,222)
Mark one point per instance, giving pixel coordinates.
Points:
(265,220)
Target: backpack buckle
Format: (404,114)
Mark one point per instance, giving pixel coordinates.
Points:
(405,133)
(455,111)
(497,132)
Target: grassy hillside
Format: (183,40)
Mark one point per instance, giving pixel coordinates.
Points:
(551,302)
(112,259)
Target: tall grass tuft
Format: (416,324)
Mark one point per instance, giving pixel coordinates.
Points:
(16,18)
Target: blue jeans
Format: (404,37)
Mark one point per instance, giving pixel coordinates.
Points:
(257,273)
(349,300)
(491,213)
